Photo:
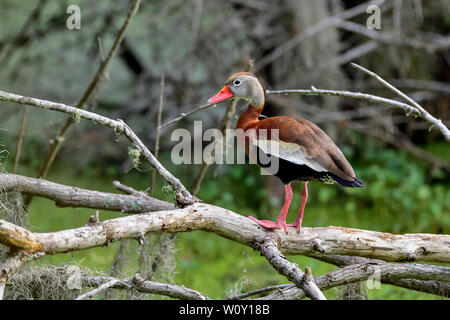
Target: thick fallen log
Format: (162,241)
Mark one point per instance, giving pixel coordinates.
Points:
(66,196)
(199,216)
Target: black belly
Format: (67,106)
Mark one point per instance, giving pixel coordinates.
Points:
(289,171)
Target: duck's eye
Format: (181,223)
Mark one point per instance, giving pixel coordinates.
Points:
(237,82)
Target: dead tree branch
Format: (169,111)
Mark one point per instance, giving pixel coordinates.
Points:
(139,284)
(97,290)
(158,130)
(314,242)
(117,125)
(362,271)
(290,270)
(93,85)
(184,115)
(20,140)
(225,223)
(65,196)
(419,109)
(429,286)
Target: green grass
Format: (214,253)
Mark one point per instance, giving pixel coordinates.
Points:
(207,262)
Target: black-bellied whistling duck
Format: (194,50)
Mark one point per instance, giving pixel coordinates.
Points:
(304,151)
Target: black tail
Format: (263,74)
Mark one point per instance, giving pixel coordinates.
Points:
(350,184)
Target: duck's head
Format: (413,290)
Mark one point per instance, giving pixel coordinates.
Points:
(243,85)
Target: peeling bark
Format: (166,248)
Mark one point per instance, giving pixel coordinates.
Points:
(310,242)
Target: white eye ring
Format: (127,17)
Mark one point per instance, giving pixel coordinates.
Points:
(237,82)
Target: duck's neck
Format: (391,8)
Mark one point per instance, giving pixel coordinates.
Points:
(249,117)
(256,106)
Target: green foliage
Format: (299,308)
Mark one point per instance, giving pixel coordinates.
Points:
(169,192)
(240,187)
(76,117)
(135,153)
(396,186)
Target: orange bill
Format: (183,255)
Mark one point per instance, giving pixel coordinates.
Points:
(223,94)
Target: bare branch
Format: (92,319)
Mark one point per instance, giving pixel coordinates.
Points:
(362,271)
(408,108)
(225,124)
(139,284)
(119,127)
(348,94)
(184,115)
(429,286)
(225,223)
(158,130)
(65,196)
(97,290)
(231,110)
(93,85)
(261,290)
(20,140)
(420,110)
(422,84)
(129,190)
(290,270)
(20,238)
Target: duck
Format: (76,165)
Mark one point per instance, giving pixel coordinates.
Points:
(303,151)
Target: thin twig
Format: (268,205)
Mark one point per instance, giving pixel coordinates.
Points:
(429,286)
(290,270)
(319,115)
(65,196)
(362,271)
(20,140)
(158,130)
(225,124)
(420,110)
(184,197)
(129,190)
(99,289)
(92,87)
(261,290)
(184,115)
(139,284)
(348,94)
(231,110)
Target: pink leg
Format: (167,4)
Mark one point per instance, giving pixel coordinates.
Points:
(303,198)
(281,221)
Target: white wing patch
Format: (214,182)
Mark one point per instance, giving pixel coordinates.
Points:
(291,152)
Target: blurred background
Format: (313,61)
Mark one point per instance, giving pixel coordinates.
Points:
(196,45)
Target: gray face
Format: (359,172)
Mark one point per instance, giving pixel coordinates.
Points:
(240,86)
(248,88)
